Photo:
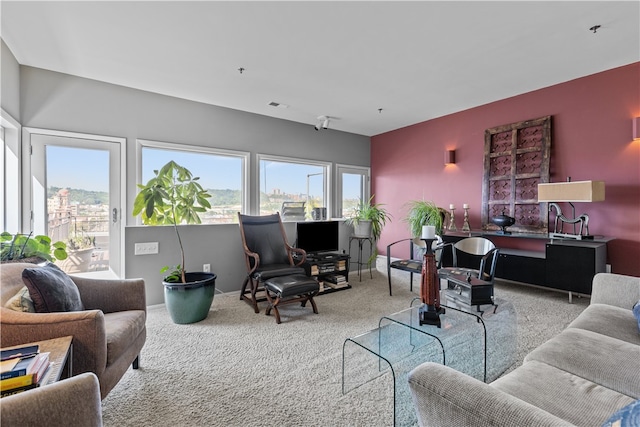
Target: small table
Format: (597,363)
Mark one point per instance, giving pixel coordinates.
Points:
(479,344)
(359,262)
(60,353)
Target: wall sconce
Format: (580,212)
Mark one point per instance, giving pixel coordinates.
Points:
(636,128)
(450,157)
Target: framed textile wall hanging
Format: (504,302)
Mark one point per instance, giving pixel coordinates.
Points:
(516,160)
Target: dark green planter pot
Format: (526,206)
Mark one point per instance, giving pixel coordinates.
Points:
(190,302)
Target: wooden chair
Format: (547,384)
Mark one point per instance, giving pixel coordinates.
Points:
(274,267)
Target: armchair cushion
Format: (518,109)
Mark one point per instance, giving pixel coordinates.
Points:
(21,302)
(268,271)
(51,289)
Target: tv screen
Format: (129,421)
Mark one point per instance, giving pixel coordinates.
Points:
(318,236)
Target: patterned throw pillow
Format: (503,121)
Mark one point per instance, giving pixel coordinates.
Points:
(636,312)
(51,289)
(21,301)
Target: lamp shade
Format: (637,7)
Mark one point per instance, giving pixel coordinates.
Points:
(572,191)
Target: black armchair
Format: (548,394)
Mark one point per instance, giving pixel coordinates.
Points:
(274,268)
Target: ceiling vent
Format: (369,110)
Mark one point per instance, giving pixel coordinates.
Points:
(278,105)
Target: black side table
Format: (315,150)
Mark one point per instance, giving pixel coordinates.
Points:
(359,261)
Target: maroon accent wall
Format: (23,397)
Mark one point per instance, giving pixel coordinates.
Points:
(591,140)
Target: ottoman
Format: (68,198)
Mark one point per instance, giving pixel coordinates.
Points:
(288,289)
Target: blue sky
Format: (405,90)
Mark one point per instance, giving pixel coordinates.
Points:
(88,170)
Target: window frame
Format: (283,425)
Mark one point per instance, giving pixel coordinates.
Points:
(244,157)
(11,195)
(342,169)
(327,179)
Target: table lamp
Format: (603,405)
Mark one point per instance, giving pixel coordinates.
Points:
(570,191)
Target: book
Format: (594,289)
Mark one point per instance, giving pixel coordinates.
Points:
(7,368)
(20,368)
(19,352)
(43,380)
(11,383)
(33,368)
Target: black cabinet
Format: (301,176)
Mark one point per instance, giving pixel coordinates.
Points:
(521,266)
(331,271)
(572,265)
(568,265)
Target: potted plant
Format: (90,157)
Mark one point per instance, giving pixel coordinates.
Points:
(367,220)
(174,196)
(424,212)
(25,248)
(420,213)
(80,250)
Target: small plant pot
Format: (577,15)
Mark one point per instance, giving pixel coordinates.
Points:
(190,302)
(362,229)
(78,261)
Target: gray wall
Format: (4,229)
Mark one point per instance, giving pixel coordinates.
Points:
(10,82)
(218,245)
(51,100)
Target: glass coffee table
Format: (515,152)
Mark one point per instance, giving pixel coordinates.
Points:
(481,344)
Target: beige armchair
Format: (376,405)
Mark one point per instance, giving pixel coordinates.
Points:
(107,336)
(74,402)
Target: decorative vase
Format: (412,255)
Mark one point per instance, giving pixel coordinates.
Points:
(362,228)
(190,302)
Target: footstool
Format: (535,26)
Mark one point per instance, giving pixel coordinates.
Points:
(287,289)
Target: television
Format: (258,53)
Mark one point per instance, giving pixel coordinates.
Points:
(318,236)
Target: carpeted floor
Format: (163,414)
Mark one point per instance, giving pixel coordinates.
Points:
(237,368)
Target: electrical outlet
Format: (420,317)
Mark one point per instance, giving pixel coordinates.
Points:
(147,248)
(206,268)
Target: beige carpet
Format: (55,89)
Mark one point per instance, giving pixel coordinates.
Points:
(237,368)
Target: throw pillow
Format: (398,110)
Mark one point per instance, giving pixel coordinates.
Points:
(629,416)
(51,289)
(21,301)
(636,312)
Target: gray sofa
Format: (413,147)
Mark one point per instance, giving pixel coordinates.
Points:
(580,377)
(74,402)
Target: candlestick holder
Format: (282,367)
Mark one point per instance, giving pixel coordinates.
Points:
(465,224)
(430,310)
(452,220)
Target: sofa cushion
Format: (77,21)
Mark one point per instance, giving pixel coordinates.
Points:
(603,360)
(567,396)
(21,302)
(51,289)
(122,328)
(609,320)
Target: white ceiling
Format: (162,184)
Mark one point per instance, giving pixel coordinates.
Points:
(415,60)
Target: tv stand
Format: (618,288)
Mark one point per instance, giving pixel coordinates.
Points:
(331,269)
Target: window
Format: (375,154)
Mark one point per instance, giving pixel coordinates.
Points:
(221,172)
(10,171)
(353,188)
(292,187)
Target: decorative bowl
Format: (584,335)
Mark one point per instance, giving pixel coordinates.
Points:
(503,221)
